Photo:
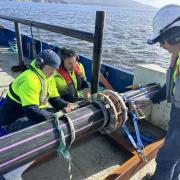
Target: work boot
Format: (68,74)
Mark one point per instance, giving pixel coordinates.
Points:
(148,176)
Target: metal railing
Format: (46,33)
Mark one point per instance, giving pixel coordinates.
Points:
(96,38)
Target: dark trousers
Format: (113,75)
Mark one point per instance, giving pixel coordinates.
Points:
(12,116)
(168,158)
(10,111)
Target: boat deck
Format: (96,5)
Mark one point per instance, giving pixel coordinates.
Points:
(93,158)
(7,60)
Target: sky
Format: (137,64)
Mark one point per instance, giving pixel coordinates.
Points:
(159,3)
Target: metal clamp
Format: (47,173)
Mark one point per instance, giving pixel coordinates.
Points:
(115,107)
(105,113)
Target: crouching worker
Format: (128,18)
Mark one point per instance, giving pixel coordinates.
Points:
(70,77)
(28,95)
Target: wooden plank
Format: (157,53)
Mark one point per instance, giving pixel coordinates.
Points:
(134,164)
(105,82)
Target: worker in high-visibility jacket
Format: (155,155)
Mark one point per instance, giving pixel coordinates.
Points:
(70,77)
(30,92)
(166,28)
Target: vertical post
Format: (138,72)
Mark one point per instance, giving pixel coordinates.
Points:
(97,50)
(19,43)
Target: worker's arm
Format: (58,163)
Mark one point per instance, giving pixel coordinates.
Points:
(86,90)
(58,103)
(157,98)
(160,96)
(54,97)
(34,113)
(84,84)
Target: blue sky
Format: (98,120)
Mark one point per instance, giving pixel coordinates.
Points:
(159,3)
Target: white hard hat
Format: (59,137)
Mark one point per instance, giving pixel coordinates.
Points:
(167,17)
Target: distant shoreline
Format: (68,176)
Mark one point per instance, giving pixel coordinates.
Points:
(42,1)
(116,3)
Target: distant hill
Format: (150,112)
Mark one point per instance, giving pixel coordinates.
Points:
(122,3)
(43,1)
(105,2)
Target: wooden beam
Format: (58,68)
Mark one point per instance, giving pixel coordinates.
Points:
(134,164)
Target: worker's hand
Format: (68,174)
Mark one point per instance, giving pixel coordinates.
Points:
(71,106)
(68,108)
(87,94)
(143,103)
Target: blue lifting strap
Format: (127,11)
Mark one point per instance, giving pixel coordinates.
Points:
(138,150)
(138,136)
(124,127)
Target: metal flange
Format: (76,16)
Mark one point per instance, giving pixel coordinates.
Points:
(116,109)
(124,109)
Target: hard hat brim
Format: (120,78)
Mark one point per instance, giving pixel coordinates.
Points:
(153,39)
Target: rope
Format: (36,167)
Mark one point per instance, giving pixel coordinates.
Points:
(63,147)
(13,46)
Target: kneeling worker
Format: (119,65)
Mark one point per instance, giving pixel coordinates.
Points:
(30,92)
(70,77)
